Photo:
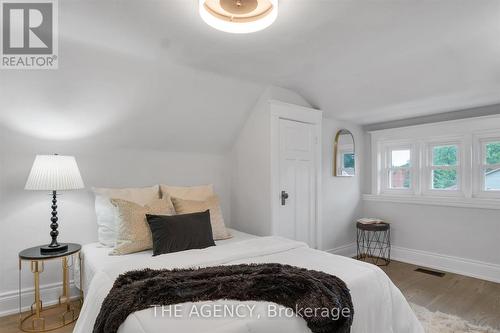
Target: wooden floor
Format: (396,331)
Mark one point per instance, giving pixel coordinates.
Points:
(472,299)
(10,324)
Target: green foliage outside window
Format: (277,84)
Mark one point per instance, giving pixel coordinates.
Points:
(444,156)
(407,180)
(444,179)
(493,153)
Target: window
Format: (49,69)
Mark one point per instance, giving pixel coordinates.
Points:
(347,163)
(444,173)
(399,169)
(490,170)
(455,163)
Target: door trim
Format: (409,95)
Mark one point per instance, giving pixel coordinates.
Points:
(280,110)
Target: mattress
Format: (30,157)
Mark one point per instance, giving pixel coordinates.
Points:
(379,306)
(95,257)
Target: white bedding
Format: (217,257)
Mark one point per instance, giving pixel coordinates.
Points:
(96,258)
(378,305)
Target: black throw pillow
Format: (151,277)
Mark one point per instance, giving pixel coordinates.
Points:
(180,232)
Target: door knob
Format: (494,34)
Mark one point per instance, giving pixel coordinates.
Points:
(284,196)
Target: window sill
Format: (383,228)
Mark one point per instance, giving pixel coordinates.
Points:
(436,201)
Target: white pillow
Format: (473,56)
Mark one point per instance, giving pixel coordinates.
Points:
(199,193)
(107,213)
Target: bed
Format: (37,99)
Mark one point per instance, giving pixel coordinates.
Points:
(96,258)
(378,304)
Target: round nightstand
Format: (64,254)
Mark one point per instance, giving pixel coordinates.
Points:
(374,243)
(68,311)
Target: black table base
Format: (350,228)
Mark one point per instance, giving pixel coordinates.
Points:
(374,243)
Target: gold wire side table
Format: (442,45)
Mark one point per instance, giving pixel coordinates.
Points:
(35,320)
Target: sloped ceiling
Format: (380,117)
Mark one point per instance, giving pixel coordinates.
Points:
(151,74)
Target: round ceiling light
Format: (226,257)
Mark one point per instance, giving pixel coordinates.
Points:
(239,16)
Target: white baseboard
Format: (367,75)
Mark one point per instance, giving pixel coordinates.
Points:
(462,266)
(468,267)
(348,250)
(49,293)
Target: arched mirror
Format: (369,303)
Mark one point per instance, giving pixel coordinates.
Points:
(344,154)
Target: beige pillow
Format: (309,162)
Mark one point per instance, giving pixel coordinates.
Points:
(106,213)
(219,230)
(134,234)
(199,193)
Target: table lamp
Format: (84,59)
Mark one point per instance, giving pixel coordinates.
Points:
(54,173)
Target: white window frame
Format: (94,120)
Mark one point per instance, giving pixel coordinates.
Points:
(386,167)
(470,133)
(480,142)
(428,168)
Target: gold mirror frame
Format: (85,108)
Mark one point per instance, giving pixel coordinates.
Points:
(336,151)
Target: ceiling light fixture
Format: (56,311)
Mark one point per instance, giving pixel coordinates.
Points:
(239,16)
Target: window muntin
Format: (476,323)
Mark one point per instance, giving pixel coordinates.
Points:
(444,167)
(491,166)
(399,170)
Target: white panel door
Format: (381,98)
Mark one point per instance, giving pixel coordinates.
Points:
(297,182)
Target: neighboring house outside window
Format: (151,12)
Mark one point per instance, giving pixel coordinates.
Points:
(400,179)
(398,175)
(400,169)
(492,181)
(492,166)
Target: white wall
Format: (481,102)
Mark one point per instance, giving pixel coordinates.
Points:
(25,215)
(341,195)
(124,112)
(251,173)
(250,204)
(457,239)
(251,165)
(466,233)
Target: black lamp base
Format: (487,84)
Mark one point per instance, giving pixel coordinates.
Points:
(54,249)
(54,246)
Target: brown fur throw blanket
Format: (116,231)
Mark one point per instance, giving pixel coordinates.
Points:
(292,287)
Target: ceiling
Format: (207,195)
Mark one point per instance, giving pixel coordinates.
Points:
(156,70)
(366,61)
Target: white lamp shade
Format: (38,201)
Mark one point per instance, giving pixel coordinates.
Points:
(54,173)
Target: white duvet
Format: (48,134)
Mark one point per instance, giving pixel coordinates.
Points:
(379,307)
